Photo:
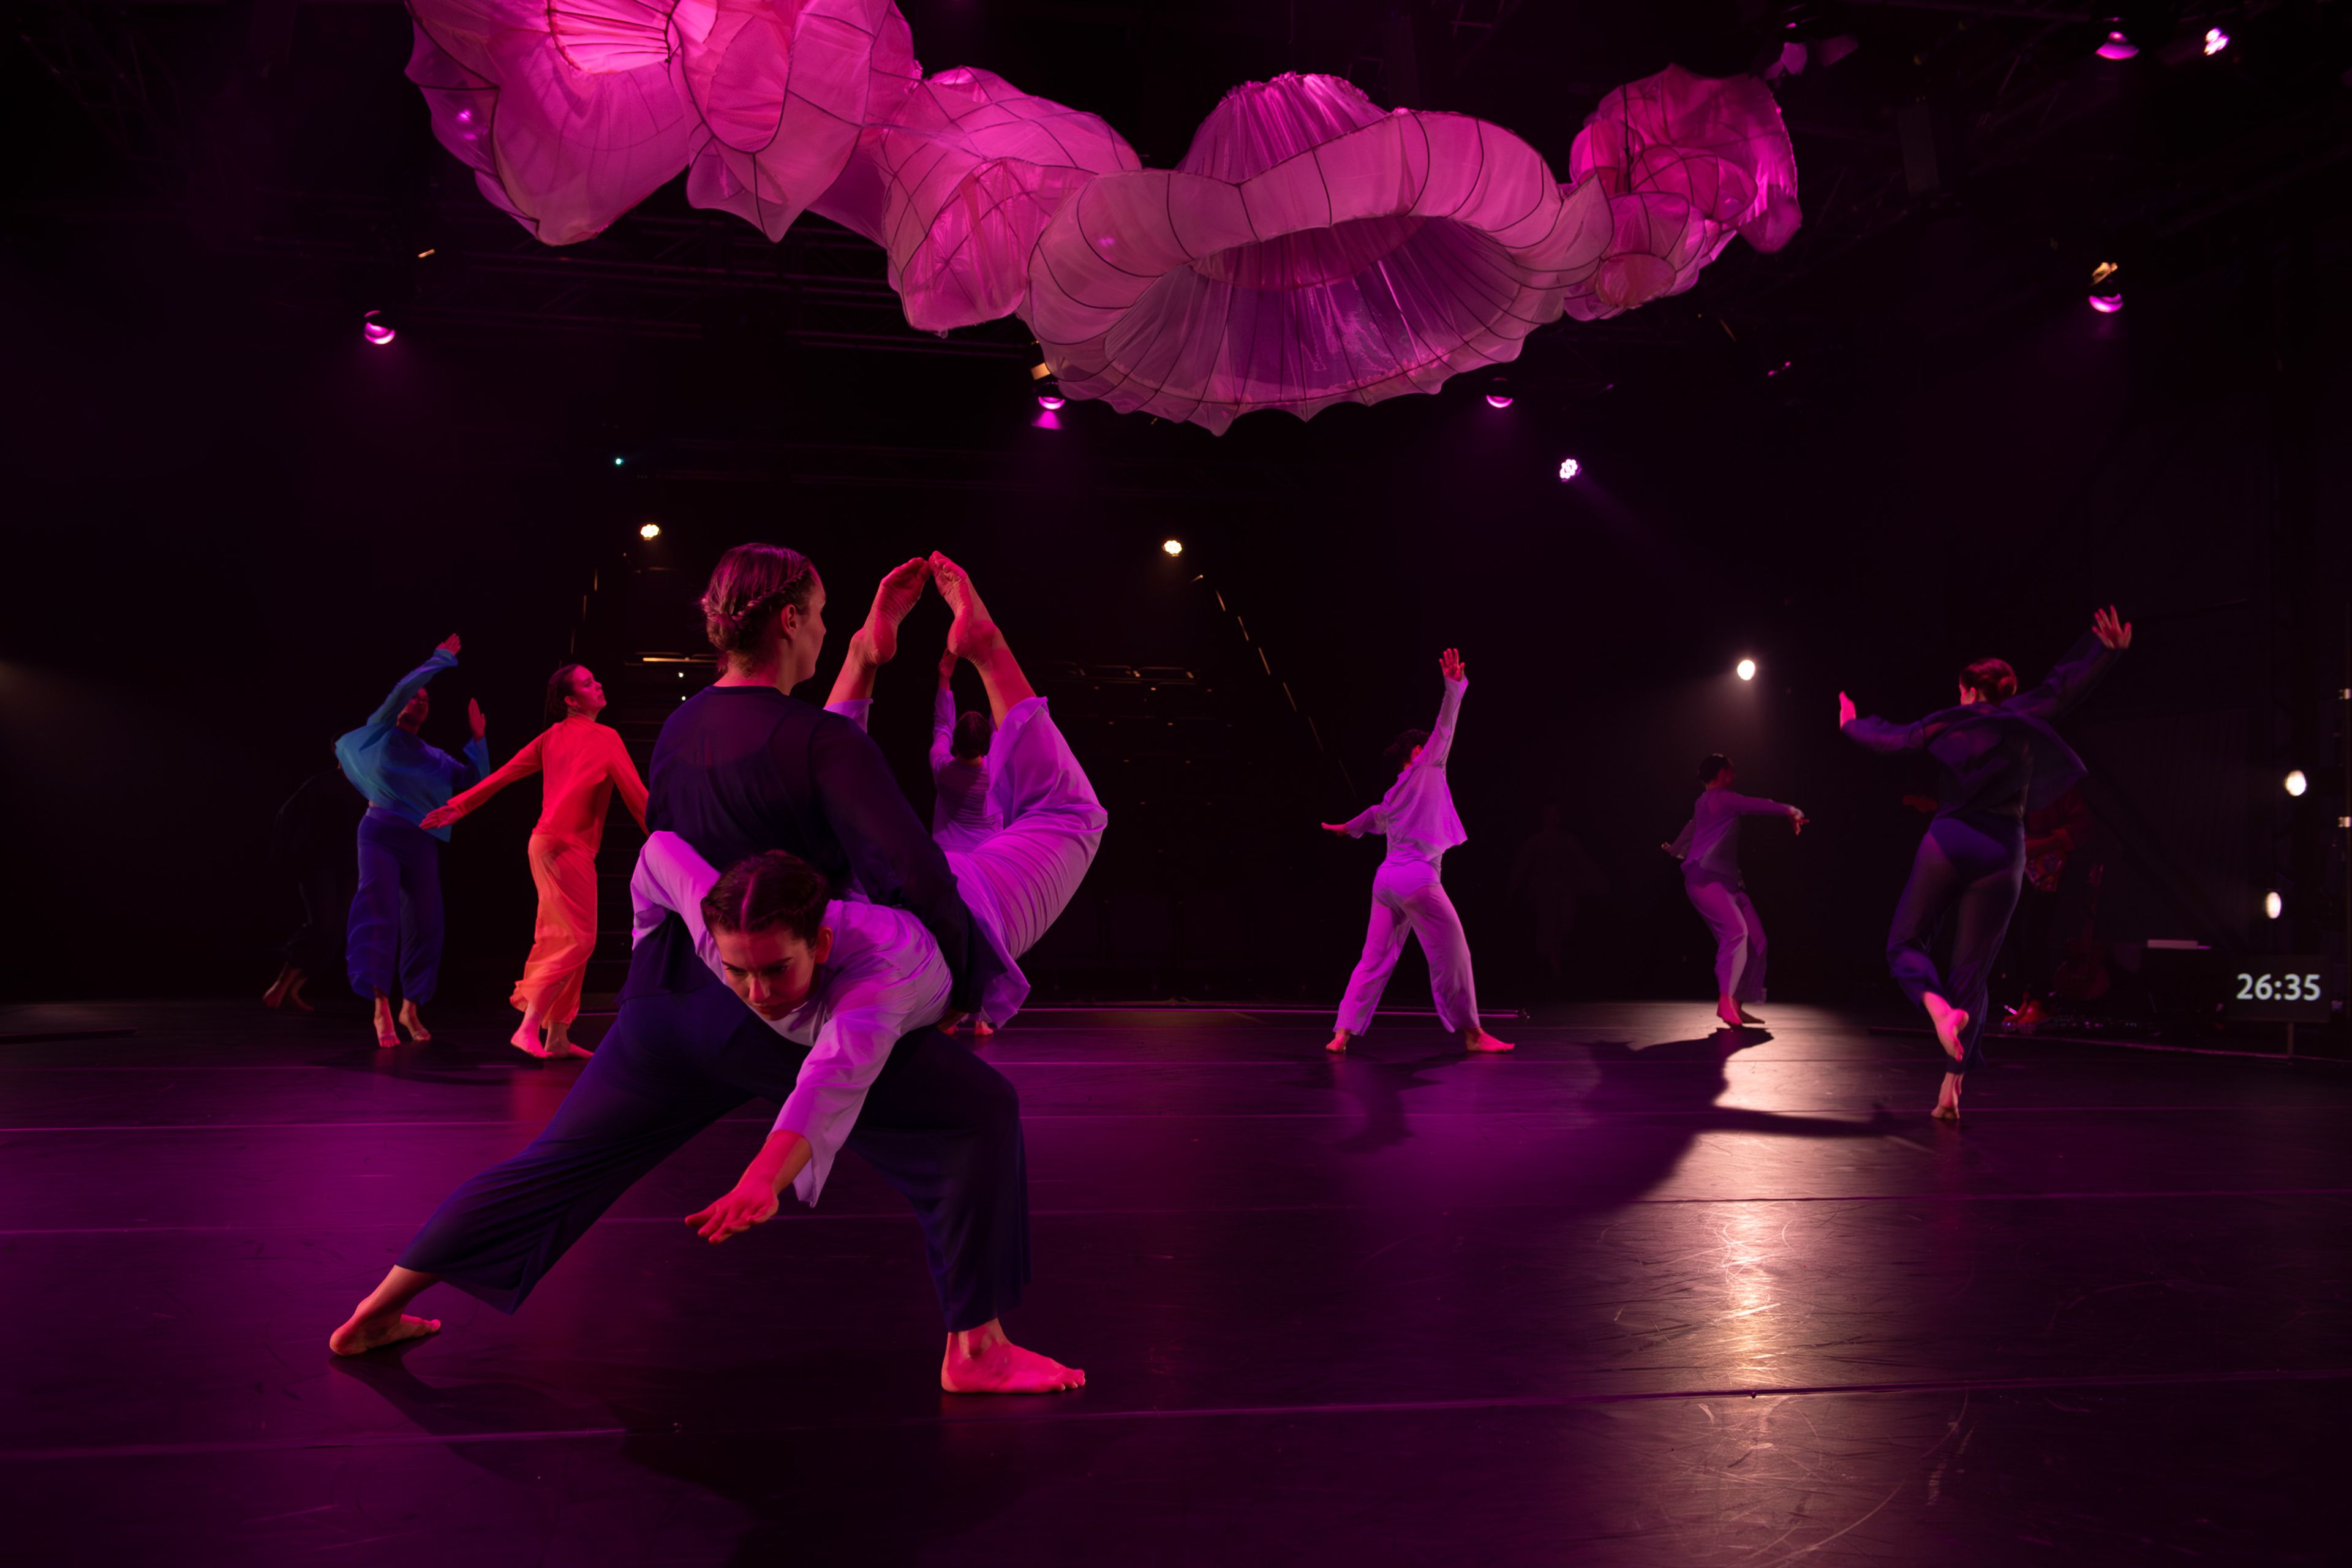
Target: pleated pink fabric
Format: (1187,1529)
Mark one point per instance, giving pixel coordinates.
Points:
(1309,249)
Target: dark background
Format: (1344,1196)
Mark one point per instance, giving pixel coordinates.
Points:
(1903,443)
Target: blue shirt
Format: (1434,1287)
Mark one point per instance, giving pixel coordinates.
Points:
(400,772)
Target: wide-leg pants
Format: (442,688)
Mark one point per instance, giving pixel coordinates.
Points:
(939,1125)
(1968,872)
(1409,899)
(563,939)
(1739,936)
(396,913)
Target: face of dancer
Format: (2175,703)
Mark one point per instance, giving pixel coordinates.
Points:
(773,971)
(411,717)
(801,637)
(587,698)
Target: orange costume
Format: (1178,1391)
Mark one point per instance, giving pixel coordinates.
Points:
(583,761)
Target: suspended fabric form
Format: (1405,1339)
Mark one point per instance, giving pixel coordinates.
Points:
(1309,249)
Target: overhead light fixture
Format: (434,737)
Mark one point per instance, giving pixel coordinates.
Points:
(1569,468)
(2216,40)
(649,531)
(2106,292)
(376,330)
(2296,783)
(1498,400)
(1172,546)
(1745,669)
(2117,47)
(2272,905)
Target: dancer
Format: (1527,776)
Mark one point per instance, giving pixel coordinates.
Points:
(1996,758)
(1708,847)
(1417,818)
(397,911)
(742,767)
(311,846)
(584,761)
(961,812)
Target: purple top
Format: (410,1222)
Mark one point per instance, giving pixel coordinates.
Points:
(1417,814)
(1709,842)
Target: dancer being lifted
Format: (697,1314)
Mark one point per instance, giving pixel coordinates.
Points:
(397,911)
(1418,818)
(740,768)
(963,813)
(584,761)
(1708,847)
(1996,757)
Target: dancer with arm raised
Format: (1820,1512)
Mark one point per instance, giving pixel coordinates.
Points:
(1708,847)
(1417,817)
(1996,758)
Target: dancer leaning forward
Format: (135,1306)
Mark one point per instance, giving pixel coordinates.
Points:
(799,806)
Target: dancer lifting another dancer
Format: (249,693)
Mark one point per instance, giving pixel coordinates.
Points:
(1417,818)
(1996,758)
(398,911)
(1708,847)
(743,767)
(583,762)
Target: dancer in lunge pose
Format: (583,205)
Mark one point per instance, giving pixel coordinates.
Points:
(743,767)
(584,761)
(1996,758)
(961,812)
(1418,818)
(1708,847)
(397,911)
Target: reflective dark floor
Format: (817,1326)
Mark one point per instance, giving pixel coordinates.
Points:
(1639,1293)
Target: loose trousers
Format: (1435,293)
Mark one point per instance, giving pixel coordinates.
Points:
(563,939)
(1739,936)
(396,913)
(1968,872)
(1409,899)
(939,1125)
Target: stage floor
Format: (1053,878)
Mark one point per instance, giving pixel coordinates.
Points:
(1626,1296)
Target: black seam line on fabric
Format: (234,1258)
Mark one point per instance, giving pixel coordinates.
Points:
(1113,1213)
(413,1439)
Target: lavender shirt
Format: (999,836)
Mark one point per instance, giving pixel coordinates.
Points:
(1709,842)
(1417,814)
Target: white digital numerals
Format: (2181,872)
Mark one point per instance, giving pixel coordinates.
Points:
(2278,988)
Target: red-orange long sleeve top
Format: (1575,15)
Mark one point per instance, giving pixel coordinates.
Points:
(583,760)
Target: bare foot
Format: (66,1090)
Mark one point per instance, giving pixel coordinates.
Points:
(1750,1019)
(288,980)
(361,1335)
(972,634)
(1338,1042)
(1948,1101)
(984,1361)
(558,1042)
(384,1038)
(1945,1113)
(294,995)
(899,591)
(526,1040)
(1480,1040)
(571,1049)
(1730,1015)
(981,1029)
(411,1021)
(1949,1025)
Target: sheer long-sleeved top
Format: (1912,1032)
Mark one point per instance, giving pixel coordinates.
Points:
(1417,814)
(1999,759)
(742,769)
(961,812)
(1709,842)
(398,771)
(883,979)
(584,762)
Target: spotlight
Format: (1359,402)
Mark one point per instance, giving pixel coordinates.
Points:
(1176,547)
(618,461)
(2106,304)
(2272,905)
(1745,669)
(2117,47)
(649,531)
(1569,468)
(2296,783)
(2106,294)
(1049,400)
(1048,388)
(1498,400)
(2216,40)
(1499,392)
(376,330)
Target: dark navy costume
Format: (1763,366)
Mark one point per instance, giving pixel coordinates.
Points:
(738,770)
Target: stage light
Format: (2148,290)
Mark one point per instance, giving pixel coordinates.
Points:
(2106,294)
(1745,669)
(2106,304)
(1049,400)
(618,461)
(649,531)
(2296,782)
(2272,905)
(1569,468)
(2216,40)
(2117,47)
(1498,400)
(1172,546)
(373,328)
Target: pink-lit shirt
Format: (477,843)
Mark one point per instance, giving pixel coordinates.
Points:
(583,760)
(1417,814)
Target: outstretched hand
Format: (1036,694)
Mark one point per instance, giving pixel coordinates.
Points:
(1335,828)
(1845,711)
(474,718)
(948,661)
(441,815)
(1796,820)
(1450,665)
(449,643)
(735,1213)
(2112,628)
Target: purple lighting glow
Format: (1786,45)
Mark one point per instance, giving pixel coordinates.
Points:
(2216,40)
(1569,468)
(1049,400)
(2117,47)
(373,328)
(1498,400)
(2106,304)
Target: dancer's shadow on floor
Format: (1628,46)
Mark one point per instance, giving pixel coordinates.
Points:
(1380,1087)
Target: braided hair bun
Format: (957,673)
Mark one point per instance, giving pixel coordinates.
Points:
(751,583)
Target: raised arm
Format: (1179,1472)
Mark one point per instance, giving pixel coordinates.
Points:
(476,754)
(2070,678)
(893,856)
(1440,736)
(527,761)
(1365,821)
(444,657)
(1877,734)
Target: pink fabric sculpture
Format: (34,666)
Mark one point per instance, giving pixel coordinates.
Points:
(1309,249)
